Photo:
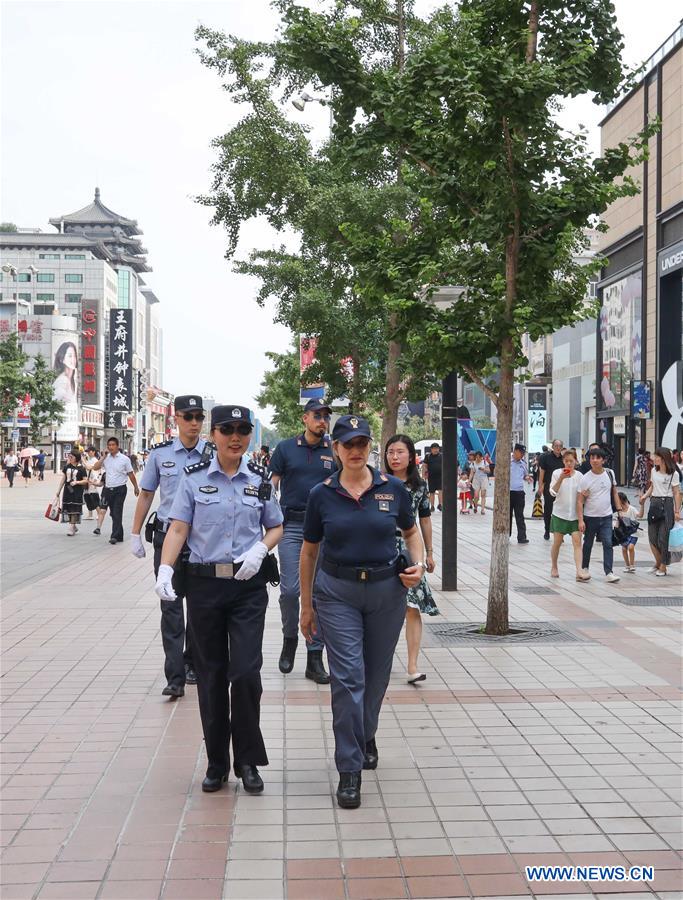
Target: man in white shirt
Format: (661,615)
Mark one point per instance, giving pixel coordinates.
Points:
(11,464)
(597,489)
(117,470)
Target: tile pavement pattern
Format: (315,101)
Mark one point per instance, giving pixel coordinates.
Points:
(505,756)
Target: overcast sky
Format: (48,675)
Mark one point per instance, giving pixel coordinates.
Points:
(111,94)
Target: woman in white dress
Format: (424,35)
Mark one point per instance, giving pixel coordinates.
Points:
(564,486)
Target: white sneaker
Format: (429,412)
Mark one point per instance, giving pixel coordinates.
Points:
(585,575)
(660,574)
(628,570)
(612,578)
(633,570)
(653,570)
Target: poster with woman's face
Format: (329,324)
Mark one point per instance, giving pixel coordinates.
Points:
(65,364)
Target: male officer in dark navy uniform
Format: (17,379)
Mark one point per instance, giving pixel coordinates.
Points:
(163,470)
(226,511)
(298,464)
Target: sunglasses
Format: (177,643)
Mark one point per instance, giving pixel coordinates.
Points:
(359,443)
(188,417)
(244,429)
(322,416)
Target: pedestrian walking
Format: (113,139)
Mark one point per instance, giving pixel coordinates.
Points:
(359,596)
(433,472)
(11,464)
(534,470)
(626,532)
(464,492)
(547,464)
(400,460)
(564,489)
(585,465)
(221,511)
(519,476)
(40,466)
(74,480)
(665,507)
(26,470)
(91,496)
(117,470)
(297,465)
(163,472)
(596,500)
(480,481)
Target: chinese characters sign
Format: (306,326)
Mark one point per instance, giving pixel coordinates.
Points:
(121,360)
(90,352)
(537,419)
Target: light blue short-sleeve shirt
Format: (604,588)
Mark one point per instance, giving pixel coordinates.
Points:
(518,472)
(163,470)
(224,512)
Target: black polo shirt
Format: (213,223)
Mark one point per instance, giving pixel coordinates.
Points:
(358,532)
(301,466)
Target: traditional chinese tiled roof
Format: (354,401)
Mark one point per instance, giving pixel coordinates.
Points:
(95,213)
(38,241)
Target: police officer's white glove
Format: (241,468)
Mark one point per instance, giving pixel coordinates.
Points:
(164,585)
(251,561)
(137,548)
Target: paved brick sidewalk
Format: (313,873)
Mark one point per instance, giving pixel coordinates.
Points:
(506,756)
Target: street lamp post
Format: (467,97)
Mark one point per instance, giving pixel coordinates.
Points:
(443,299)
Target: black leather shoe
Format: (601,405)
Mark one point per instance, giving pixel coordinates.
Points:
(348,792)
(113,541)
(315,670)
(210,785)
(525,541)
(371,755)
(173,690)
(252,781)
(190,675)
(286,663)
(546,536)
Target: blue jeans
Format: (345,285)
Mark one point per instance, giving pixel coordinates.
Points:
(289,551)
(601,525)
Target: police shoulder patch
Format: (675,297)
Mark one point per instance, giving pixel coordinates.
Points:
(208,489)
(261,471)
(197,467)
(162,444)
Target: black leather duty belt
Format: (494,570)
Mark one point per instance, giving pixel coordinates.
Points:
(213,570)
(161,526)
(294,515)
(351,573)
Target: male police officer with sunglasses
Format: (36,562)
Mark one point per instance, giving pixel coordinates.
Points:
(163,470)
(222,508)
(298,464)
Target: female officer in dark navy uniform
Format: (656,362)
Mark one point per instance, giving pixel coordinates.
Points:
(359,593)
(221,511)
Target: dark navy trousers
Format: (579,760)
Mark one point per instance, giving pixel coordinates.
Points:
(360,624)
(174,636)
(289,552)
(226,620)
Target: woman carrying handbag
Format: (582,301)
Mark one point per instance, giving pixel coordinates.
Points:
(74,481)
(665,507)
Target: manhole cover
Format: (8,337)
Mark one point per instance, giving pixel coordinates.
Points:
(468,634)
(649,601)
(532,589)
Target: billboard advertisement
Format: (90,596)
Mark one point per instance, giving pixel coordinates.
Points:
(537,419)
(120,360)
(66,366)
(91,353)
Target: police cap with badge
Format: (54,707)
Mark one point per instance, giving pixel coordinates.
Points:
(188,403)
(239,415)
(346,428)
(314,405)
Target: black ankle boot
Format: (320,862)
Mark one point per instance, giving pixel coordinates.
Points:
(348,792)
(315,670)
(371,755)
(287,656)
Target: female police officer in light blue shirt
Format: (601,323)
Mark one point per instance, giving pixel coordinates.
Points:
(360,592)
(219,510)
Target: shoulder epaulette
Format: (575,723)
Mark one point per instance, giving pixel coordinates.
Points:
(261,471)
(327,481)
(383,477)
(161,444)
(196,467)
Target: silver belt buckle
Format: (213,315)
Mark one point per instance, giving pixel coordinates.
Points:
(224,570)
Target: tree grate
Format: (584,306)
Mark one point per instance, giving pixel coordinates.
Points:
(533,589)
(453,634)
(649,601)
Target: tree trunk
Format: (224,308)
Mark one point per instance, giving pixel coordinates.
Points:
(497,621)
(392,393)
